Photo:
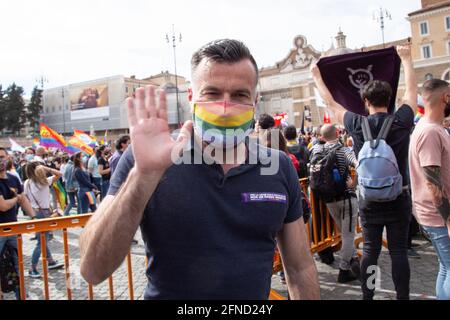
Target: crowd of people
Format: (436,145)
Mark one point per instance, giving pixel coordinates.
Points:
(28,181)
(210,230)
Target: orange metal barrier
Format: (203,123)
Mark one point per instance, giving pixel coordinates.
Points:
(321,235)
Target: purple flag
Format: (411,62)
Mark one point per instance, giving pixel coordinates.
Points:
(347,75)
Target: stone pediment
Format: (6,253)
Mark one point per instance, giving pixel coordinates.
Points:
(300,57)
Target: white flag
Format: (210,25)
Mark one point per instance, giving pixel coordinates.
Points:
(16,147)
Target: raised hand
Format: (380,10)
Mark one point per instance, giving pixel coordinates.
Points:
(149,131)
(404,52)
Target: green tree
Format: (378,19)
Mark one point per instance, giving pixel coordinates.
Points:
(15,114)
(35,108)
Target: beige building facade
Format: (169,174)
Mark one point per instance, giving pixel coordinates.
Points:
(288,86)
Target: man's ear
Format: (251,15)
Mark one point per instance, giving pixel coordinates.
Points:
(190,94)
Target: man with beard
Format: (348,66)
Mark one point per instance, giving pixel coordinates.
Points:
(209,228)
(429,162)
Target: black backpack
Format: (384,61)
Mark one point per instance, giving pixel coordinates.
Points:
(297,151)
(325,178)
(9,277)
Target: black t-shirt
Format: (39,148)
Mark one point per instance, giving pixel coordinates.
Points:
(210,235)
(8,187)
(398,137)
(105,163)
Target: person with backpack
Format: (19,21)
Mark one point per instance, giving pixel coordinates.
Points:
(381,142)
(298,150)
(330,178)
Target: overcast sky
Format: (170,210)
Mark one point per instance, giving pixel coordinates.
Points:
(70,41)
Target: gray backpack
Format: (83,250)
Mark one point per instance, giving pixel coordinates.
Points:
(379,178)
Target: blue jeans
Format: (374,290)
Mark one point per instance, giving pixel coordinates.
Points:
(84,201)
(41,214)
(105,187)
(441,243)
(98,183)
(12,241)
(72,196)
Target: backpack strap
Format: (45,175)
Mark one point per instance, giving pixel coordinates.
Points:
(368,133)
(382,135)
(387,124)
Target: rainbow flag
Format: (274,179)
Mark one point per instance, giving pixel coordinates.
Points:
(76,145)
(35,143)
(87,139)
(50,138)
(60,193)
(91,197)
(420,109)
(420,113)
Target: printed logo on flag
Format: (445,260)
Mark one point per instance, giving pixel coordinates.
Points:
(361,77)
(263,197)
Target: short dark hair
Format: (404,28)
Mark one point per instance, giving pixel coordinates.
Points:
(122,139)
(378,93)
(4,149)
(223,51)
(290,132)
(434,84)
(266,121)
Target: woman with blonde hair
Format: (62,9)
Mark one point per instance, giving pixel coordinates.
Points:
(37,190)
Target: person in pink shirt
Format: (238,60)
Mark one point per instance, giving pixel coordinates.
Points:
(429,163)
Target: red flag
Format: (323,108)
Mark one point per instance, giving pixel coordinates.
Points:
(326,118)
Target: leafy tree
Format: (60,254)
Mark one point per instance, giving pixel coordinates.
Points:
(35,108)
(15,114)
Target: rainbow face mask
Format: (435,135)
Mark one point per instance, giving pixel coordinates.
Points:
(223,124)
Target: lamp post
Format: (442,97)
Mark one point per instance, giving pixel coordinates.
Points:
(41,81)
(174,45)
(64,112)
(379,17)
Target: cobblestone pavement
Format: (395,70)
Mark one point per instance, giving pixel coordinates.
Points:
(423,275)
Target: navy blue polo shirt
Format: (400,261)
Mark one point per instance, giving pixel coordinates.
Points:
(212,236)
(8,187)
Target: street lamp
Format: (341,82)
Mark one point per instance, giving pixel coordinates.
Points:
(41,81)
(382,14)
(64,113)
(174,45)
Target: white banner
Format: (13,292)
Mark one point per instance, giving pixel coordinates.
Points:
(100,112)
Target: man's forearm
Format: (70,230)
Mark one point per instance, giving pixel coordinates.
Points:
(304,284)
(26,206)
(323,90)
(410,83)
(434,184)
(107,237)
(8,204)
